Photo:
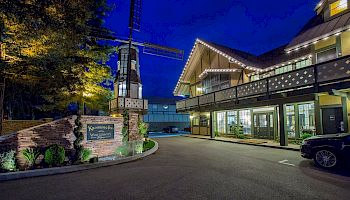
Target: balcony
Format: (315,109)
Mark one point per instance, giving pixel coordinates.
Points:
(136,105)
(313,78)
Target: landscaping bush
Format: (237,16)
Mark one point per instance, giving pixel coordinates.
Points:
(123,151)
(147,145)
(55,155)
(31,155)
(138,146)
(241,136)
(143,128)
(8,161)
(86,154)
(305,136)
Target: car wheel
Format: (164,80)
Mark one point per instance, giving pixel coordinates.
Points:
(326,158)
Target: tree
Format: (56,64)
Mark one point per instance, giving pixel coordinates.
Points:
(49,48)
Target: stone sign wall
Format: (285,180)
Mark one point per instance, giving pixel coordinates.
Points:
(61,132)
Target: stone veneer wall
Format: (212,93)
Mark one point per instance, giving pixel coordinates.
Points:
(61,132)
(133,127)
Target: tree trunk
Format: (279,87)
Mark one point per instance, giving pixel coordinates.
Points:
(2,96)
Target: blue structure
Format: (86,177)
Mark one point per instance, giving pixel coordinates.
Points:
(162,114)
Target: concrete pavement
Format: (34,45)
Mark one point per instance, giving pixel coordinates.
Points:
(187,168)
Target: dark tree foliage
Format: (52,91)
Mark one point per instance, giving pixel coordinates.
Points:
(50,53)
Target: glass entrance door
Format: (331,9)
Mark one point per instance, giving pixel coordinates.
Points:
(264,125)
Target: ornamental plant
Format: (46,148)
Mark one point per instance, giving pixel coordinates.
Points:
(79,137)
(143,128)
(31,155)
(55,155)
(86,154)
(125,130)
(8,161)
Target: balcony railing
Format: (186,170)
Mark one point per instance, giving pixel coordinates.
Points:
(128,103)
(308,77)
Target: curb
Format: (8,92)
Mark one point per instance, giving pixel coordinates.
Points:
(74,168)
(252,144)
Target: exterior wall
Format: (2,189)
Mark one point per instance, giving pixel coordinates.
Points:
(160,116)
(325,43)
(61,132)
(328,100)
(345,43)
(212,60)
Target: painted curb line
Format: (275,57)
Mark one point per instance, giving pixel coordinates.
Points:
(74,168)
(252,144)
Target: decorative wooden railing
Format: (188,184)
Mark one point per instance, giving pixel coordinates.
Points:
(308,77)
(128,103)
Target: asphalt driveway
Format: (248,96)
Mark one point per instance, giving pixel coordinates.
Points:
(187,168)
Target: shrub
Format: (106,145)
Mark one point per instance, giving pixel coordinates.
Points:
(143,128)
(122,151)
(138,146)
(86,154)
(147,145)
(31,155)
(305,136)
(241,136)
(8,161)
(55,155)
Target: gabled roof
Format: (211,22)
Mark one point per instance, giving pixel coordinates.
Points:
(264,62)
(332,27)
(244,57)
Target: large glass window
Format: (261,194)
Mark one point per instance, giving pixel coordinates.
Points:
(221,122)
(326,55)
(338,7)
(246,121)
(302,64)
(284,69)
(306,118)
(215,82)
(290,121)
(203,121)
(232,119)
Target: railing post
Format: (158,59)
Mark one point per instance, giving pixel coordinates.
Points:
(267,88)
(316,78)
(236,100)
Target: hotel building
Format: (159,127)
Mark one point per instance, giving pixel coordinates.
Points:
(299,88)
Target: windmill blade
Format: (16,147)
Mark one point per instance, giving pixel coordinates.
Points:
(135,15)
(162,51)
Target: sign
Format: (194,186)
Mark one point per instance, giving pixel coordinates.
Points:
(332,117)
(100,131)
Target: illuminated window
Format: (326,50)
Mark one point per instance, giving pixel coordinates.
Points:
(338,7)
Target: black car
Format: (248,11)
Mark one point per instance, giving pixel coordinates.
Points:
(327,151)
(171,129)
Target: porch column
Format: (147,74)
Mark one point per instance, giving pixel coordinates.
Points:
(283,137)
(211,127)
(318,117)
(345,113)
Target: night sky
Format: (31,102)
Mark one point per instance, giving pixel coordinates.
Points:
(249,25)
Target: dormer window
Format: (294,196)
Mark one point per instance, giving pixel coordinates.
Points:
(338,7)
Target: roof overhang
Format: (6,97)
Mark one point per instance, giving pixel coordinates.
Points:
(326,36)
(230,58)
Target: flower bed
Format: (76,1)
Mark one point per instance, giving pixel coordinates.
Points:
(55,156)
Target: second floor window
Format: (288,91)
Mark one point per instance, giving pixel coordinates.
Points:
(338,7)
(326,55)
(216,82)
